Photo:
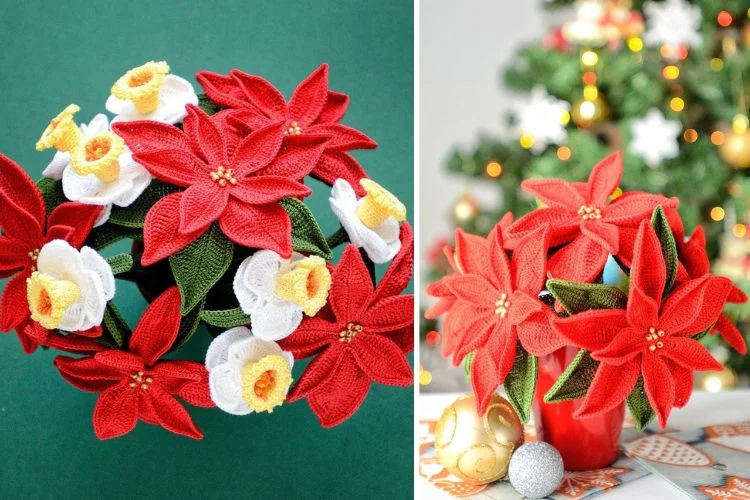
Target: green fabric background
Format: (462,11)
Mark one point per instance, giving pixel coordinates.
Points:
(57,52)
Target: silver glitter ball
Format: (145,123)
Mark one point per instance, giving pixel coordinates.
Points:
(536,469)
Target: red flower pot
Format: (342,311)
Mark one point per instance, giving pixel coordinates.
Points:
(586,443)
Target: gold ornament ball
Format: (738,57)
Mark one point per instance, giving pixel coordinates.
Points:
(736,149)
(477,449)
(719,381)
(587,113)
(466,209)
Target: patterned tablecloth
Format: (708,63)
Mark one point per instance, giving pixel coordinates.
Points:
(629,477)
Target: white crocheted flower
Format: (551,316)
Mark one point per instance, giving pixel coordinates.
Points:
(276,292)
(100,170)
(69,289)
(247,374)
(149,92)
(372,221)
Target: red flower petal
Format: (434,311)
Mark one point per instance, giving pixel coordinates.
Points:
(258,226)
(161,235)
(390,314)
(310,97)
(538,336)
(12,256)
(343,138)
(603,233)
(158,327)
(299,155)
(648,272)
(522,307)
(87,374)
(382,359)
(339,397)
(79,216)
(529,262)
(268,189)
(490,367)
(475,289)
(604,179)
(338,165)
(125,362)
(658,382)
(170,413)
(334,109)
(14,307)
(28,345)
(731,334)
(554,192)
(116,411)
(564,225)
(714,296)
(627,344)
(59,232)
(261,94)
(581,261)
(18,224)
(610,387)
(690,354)
(312,335)
(222,89)
(693,253)
(351,287)
(202,204)
(204,136)
(683,383)
(592,330)
(465,326)
(471,253)
(500,270)
(632,208)
(642,311)
(317,372)
(474,339)
(16,184)
(397,276)
(178,167)
(257,150)
(149,136)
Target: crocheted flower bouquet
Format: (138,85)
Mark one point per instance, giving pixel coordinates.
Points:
(210,189)
(535,285)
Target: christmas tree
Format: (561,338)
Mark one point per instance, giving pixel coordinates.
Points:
(665,82)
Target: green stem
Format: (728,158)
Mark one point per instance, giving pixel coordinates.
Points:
(340,237)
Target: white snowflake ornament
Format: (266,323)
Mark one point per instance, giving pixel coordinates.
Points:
(673,23)
(655,138)
(542,118)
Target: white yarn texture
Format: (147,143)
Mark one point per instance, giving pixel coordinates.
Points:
(174,95)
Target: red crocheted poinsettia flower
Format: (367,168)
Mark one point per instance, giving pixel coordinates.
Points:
(135,384)
(312,109)
(584,225)
(652,337)
(360,337)
(237,182)
(491,302)
(25,229)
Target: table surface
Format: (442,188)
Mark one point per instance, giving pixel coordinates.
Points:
(56,53)
(703,409)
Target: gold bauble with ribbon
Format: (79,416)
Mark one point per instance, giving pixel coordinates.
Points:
(735,150)
(477,449)
(589,112)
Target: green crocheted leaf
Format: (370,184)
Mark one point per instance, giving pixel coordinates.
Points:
(207,105)
(575,380)
(109,234)
(578,297)
(307,237)
(520,383)
(639,406)
(226,318)
(467,364)
(189,325)
(668,245)
(120,263)
(114,325)
(52,192)
(134,215)
(198,266)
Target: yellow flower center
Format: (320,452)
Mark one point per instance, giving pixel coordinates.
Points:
(352,329)
(654,336)
(62,132)
(306,283)
(294,129)
(265,382)
(49,298)
(139,379)
(99,155)
(141,86)
(502,305)
(378,204)
(589,212)
(223,176)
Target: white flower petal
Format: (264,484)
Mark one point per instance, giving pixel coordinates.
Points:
(97,125)
(73,319)
(92,300)
(96,263)
(218,350)
(256,279)
(103,215)
(80,187)
(174,95)
(275,319)
(57,166)
(252,349)
(225,387)
(60,260)
(119,107)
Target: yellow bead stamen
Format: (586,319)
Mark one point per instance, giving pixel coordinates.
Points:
(352,329)
(265,382)
(140,380)
(294,129)
(141,85)
(654,335)
(589,212)
(99,155)
(502,305)
(378,205)
(49,298)
(62,132)
(306,283)
(223,176)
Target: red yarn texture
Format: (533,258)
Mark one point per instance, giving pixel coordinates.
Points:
(491,302)
(336,382)
(585,242)
(622,340)
(264,172)
(313,109)
(115,374)
(25,229)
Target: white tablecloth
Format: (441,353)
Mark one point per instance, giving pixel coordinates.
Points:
(703,409)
